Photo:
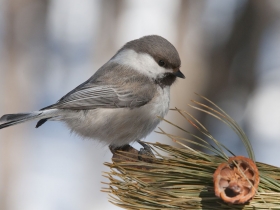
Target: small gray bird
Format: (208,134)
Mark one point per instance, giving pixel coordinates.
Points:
(121,102)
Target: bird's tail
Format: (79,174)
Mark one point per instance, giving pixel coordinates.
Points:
(13,119)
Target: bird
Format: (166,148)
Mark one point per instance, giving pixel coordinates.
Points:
(123,101)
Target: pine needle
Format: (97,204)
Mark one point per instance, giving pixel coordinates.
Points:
(182,178)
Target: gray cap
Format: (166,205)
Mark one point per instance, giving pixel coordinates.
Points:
(158,47)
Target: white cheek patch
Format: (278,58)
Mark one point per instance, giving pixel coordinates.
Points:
(141,62)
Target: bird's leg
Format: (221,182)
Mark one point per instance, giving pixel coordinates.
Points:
(145,154)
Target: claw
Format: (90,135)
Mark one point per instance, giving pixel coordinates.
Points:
(145,154)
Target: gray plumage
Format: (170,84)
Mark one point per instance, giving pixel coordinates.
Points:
(105,90)
(121,102)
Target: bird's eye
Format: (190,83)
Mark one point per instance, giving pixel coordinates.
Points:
(161,63)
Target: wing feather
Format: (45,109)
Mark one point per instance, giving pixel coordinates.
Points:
(103,97)
(104,90)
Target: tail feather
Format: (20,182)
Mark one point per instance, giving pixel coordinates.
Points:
(13,119)
(41,122)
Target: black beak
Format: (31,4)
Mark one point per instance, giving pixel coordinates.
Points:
(179,74)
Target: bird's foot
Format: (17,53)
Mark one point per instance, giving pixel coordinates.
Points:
(128,153)
(145,154)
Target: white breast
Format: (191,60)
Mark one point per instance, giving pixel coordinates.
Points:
(161,101)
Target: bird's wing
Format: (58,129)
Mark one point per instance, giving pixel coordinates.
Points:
(104,96)
(106,90)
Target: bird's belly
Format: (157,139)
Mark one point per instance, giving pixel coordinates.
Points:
(121,126)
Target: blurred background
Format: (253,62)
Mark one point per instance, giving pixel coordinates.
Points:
(229,50)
